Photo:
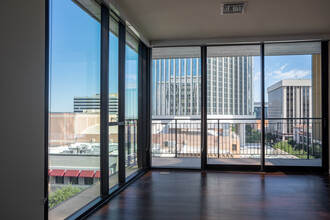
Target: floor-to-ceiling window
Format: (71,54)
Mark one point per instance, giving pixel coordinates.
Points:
(113,101)
(293,127)
(74,116)
(176,107)
(94,78)
(233,105)
(131,103)
(263,106)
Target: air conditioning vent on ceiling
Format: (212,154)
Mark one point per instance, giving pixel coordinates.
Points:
(229,8)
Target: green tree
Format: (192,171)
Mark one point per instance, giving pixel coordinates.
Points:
(62,194)
(285,146)
(252,135)
(317,151)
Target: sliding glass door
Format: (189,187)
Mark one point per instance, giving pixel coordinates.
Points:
(176,107)
(233,105)
(263,106)
(293,128)
(291,124)
(131,103)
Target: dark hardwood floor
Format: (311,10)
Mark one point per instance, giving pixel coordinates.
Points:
(215,195)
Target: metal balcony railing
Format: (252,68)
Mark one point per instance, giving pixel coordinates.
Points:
(131,142)
(290,138)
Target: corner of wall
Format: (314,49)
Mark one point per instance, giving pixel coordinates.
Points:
(328,105)
(22,95)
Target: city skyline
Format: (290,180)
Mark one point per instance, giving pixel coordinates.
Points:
(278,68)
(69,36)
(271,77)
(177,86)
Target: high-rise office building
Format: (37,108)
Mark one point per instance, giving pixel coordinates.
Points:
(89,104)
(289,99)
(257,109)
(177,86)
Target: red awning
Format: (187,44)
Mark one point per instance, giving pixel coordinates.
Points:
(57,173)
(87,173)
(72,173)
(49,171)
(97,174)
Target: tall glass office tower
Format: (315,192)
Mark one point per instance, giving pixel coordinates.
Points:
(177,85)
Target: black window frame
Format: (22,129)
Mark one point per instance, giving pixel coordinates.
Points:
(144,54)
(205,107)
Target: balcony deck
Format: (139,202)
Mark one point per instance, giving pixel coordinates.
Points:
(215,195)
(195,162)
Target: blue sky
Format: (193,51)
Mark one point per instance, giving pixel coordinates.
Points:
(278,68)
(74,40)
(75,58)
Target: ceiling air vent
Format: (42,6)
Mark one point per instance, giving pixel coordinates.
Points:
(230,8)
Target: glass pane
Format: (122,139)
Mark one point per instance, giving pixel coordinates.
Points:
(233,105)
(131,103)
(176,107)
(74,117)
(113,102)
(293,94)
(113,156)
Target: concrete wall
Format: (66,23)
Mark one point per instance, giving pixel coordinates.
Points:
(22,70)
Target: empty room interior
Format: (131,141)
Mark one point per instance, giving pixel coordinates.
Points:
(150,109)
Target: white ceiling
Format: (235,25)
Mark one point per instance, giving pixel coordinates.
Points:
(175,20)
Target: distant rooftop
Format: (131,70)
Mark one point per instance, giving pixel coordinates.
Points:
(289,82)
(111,95)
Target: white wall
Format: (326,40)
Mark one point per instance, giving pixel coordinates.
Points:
(22,40)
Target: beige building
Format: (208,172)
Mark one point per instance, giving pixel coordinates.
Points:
(69,128)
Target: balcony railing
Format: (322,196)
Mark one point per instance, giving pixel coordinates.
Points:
(178,138)
(289,138)
(131,142)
